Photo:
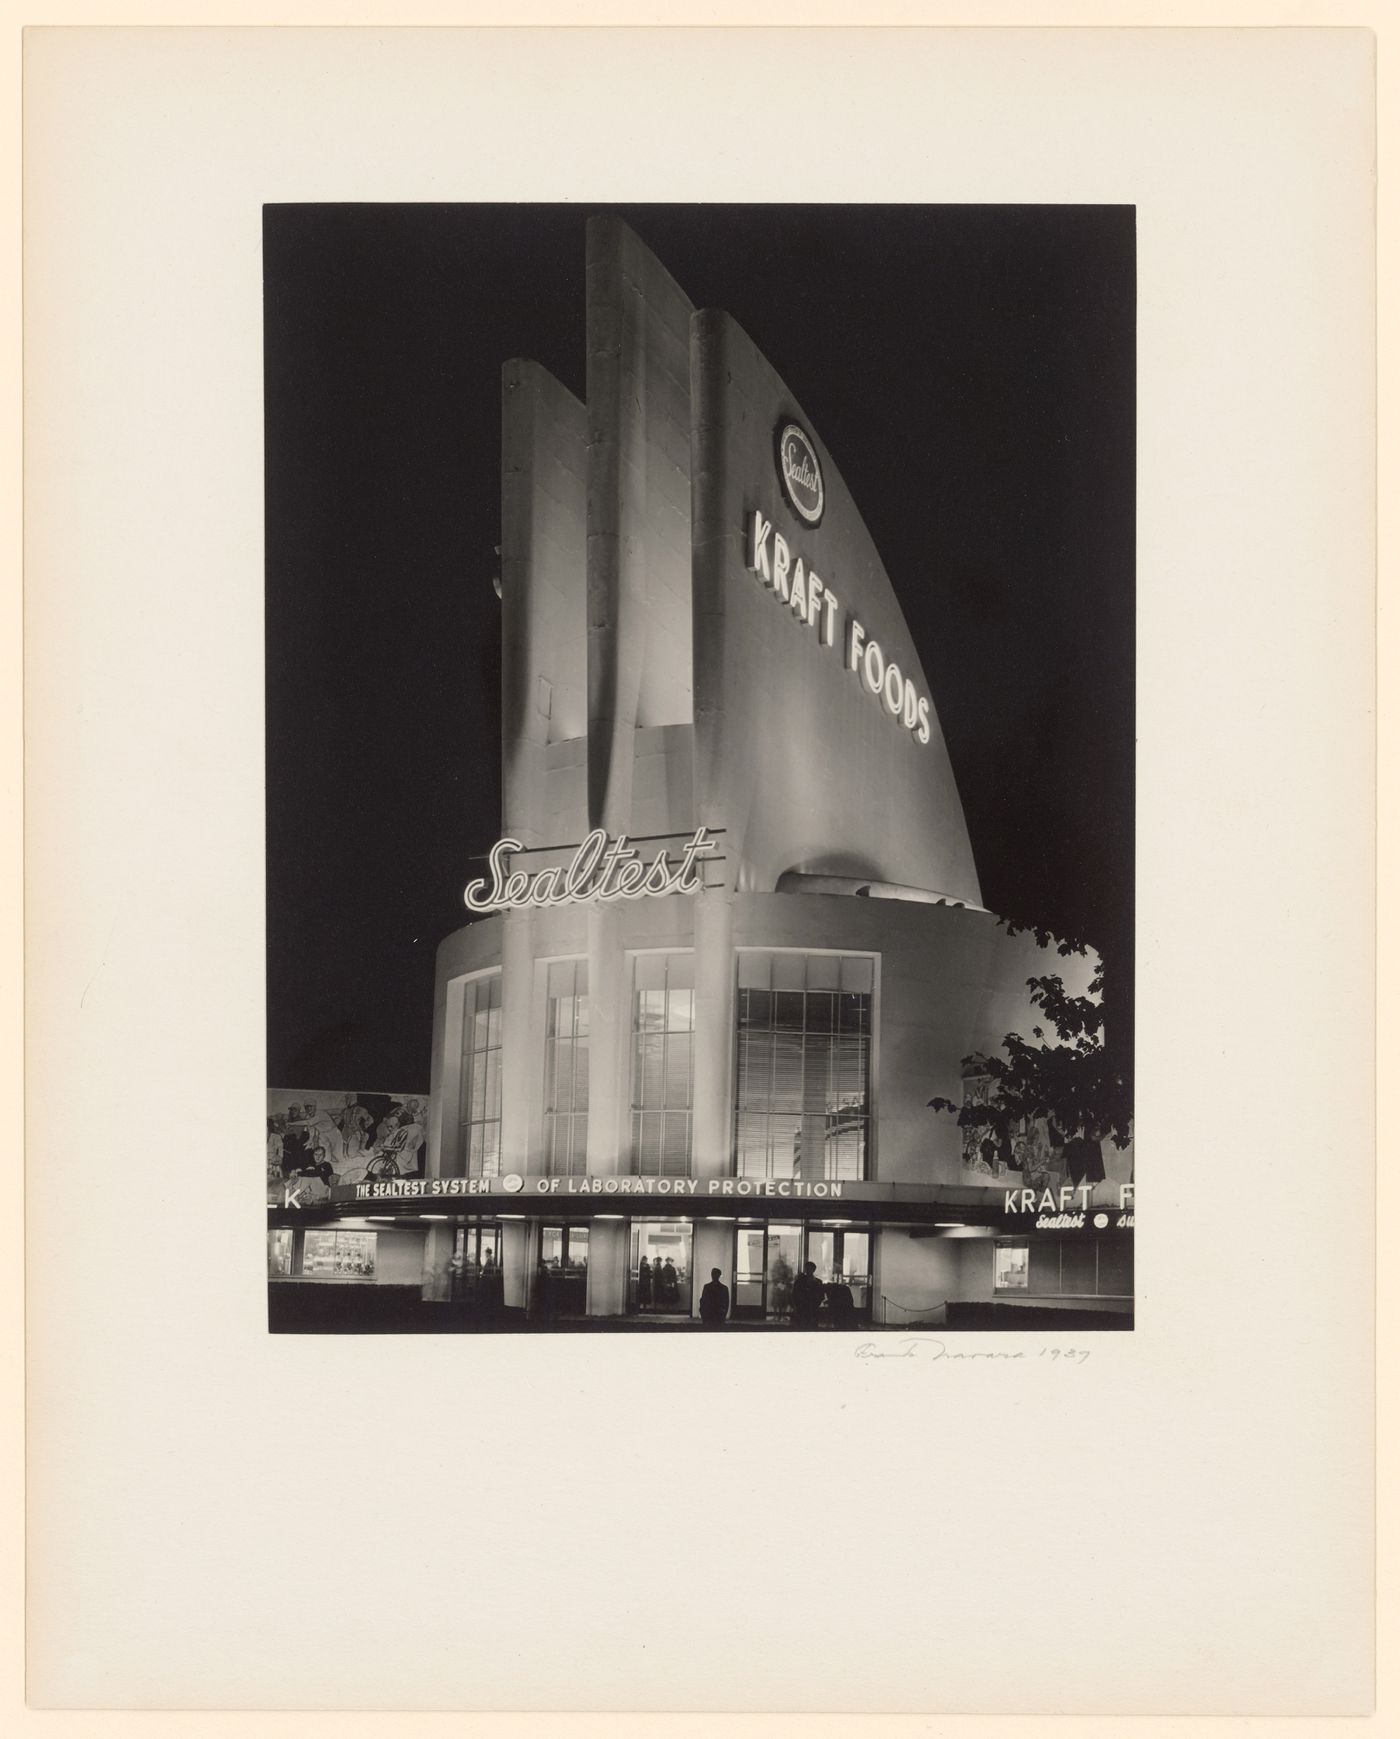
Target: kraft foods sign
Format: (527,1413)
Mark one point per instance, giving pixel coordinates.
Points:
(789,576)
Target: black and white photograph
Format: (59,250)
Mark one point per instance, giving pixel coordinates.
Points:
(699,745)
(715,669)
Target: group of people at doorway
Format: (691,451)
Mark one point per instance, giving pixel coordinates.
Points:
(658,1285)
(814,1302)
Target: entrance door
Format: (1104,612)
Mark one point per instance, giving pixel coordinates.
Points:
(658,1280)
(842,1259)
(767,1260)
(561,1273)
(477,1276)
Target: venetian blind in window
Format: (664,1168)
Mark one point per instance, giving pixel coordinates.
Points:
(802,1083)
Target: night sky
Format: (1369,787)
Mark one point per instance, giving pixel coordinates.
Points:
(969,368)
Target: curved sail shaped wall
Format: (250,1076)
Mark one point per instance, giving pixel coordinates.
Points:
(807,767)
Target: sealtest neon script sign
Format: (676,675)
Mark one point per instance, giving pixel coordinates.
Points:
(600,869)
(794,582)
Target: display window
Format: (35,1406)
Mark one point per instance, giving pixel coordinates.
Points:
(1011,1268)
(1065,1267)
(279,1252)
(338,1255)
(659,1275)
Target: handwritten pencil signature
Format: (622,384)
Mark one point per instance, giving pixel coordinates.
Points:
(917,1347)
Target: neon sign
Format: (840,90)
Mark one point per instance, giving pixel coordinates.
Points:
(600,869)
(794,583)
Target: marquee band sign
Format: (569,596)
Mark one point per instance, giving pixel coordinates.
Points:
(600,869)
(512,1184)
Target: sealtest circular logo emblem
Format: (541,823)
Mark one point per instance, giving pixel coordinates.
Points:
(801,472)
(512,1182)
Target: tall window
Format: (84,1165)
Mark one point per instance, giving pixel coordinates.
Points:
(479,1113)
(566,1070)
(663,1069)
(802,1091)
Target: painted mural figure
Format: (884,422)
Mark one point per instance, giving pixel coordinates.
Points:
(275,1126)
(355,1125)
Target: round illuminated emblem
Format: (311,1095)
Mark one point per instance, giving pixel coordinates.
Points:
(512,1182)
(801,472)
(1100,1220)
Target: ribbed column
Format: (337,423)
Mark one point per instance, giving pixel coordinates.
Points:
(609,1026)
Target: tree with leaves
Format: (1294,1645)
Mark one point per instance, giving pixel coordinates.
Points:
(1075,1081)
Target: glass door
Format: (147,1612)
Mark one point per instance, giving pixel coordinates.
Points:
(767,1259)
(477,1278)
(843,1267)
(561,1272)
(658,1279)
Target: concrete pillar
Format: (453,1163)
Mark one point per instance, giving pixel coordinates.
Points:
(515,1263)
(609,1035)
(607,1267)
(445,1095)
(609,1118)
(437,1255)
(713,1247)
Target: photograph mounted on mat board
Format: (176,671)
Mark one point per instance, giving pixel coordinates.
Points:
(749,870)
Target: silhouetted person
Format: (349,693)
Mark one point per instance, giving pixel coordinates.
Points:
(841,1304)
(491,1288)
(807,1294)
(644,1285)
(670,1287)
(714,1302)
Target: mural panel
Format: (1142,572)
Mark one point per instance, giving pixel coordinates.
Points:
(324,1138)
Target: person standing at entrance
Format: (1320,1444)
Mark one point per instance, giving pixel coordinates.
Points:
(714,1302)
(644,1285)
(807,1295)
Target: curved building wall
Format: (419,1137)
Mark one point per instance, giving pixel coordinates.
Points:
(948,982)
(804,766)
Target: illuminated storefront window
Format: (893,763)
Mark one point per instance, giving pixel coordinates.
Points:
(479,1110)
(566,1070)
(658,1281)
(1065,1267)
(802,1092)
(1010,1267)
(279,1252)
(339,1255)
(663,1063)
